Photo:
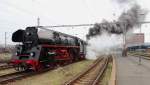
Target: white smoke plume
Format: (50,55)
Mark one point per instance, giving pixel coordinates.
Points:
(103,45)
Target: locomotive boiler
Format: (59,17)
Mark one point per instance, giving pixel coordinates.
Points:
(39,48)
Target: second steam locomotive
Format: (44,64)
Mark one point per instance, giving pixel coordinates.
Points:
(39,48)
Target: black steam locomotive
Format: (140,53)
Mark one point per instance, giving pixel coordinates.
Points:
(39,48)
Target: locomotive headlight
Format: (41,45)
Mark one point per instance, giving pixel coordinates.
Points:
(27,33)
(32,54)
(16,53)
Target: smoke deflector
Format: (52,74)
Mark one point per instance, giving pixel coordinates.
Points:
(18,36)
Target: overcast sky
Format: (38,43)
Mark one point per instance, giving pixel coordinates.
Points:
(18,14)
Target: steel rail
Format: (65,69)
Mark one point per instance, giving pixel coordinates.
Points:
(96,81)
(3,67)
(98,68)
(4,79)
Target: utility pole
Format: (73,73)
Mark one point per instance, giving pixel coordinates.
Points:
(140,48)
(124,53)
(140,27)
(140,23)
(140,57)
(5,40)
(38,21)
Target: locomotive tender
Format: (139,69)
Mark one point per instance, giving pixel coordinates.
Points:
(40,48)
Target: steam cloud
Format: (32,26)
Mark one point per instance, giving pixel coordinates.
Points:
(101,37)
(103,45)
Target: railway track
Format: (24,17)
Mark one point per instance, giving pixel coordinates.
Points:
(11,77)
(4,79)
(144,56)
(92,75)
(5,66)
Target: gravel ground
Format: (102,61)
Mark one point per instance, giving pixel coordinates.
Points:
(5,57)
(55,77)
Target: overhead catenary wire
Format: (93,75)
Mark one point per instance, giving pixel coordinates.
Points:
(22,10)
(82,25)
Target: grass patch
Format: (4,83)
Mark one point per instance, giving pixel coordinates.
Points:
(57,76)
